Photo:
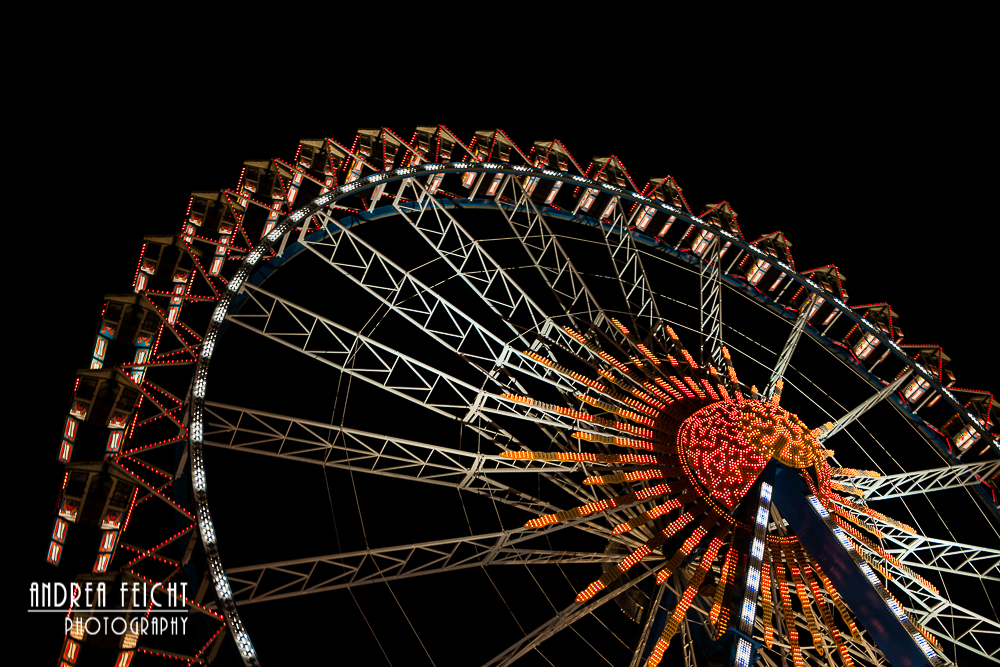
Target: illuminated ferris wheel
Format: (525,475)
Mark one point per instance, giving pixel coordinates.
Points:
(543,410)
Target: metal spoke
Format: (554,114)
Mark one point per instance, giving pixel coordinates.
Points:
(867,405)
(421,383)
(549,257)
(971,631)
(413,300)
(306,576)
(651,613)
(469,261)
(931,553)
(687,644)
(630,274)
(710,293)
(786,352)
(941,555)
(465,335)
(561,621)
(296,439)
(938,614)
(923,481)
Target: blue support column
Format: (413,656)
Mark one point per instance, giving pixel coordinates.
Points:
(858,585)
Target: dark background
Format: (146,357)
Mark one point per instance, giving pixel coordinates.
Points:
(882,166)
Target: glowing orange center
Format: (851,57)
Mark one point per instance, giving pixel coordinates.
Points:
(728,443)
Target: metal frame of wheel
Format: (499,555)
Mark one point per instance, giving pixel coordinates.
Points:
(325,222)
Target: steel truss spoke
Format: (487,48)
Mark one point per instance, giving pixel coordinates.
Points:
(372,361)
(424,384)
(941,555)
(556,268)
(470,262)
(867,405)
(786,352)
(959,626)
(561,621)
(305,576)
(334,446)
(647,625)
(461,250)
(418,303)
(710,294)
(551,260)
(687,644)
(631,275)
(948,621)
(407,296)
(923,481)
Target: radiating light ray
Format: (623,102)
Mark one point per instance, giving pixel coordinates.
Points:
(824,611)
(680,611)
(720,589)
(694,428)
(689,545)
(841,518)
(634,443)
(602,505)
(800,588)
(619,477)
(786,607)
(659,510)
(635,459)
(852,472)
(874,514)
(626,563)
(765,587)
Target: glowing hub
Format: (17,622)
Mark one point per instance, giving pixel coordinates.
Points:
(728,443)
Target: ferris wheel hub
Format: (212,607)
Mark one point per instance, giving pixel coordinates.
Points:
(728,443)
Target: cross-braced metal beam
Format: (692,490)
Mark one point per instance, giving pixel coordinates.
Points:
(401,375)
(867,405)
(405,376)
(561,621)
(631,275)
(710,316)
(944,556)
(920,551)
(923,481)
(333,446)
(647,626)
(470,262)
(548,255)
(553,263)
(959,626)
(941,617)
(404,294)
(786,352)
(305,576)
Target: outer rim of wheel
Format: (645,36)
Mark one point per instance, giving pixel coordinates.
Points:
(282,231)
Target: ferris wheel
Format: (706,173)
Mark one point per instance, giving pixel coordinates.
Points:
(429,397)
